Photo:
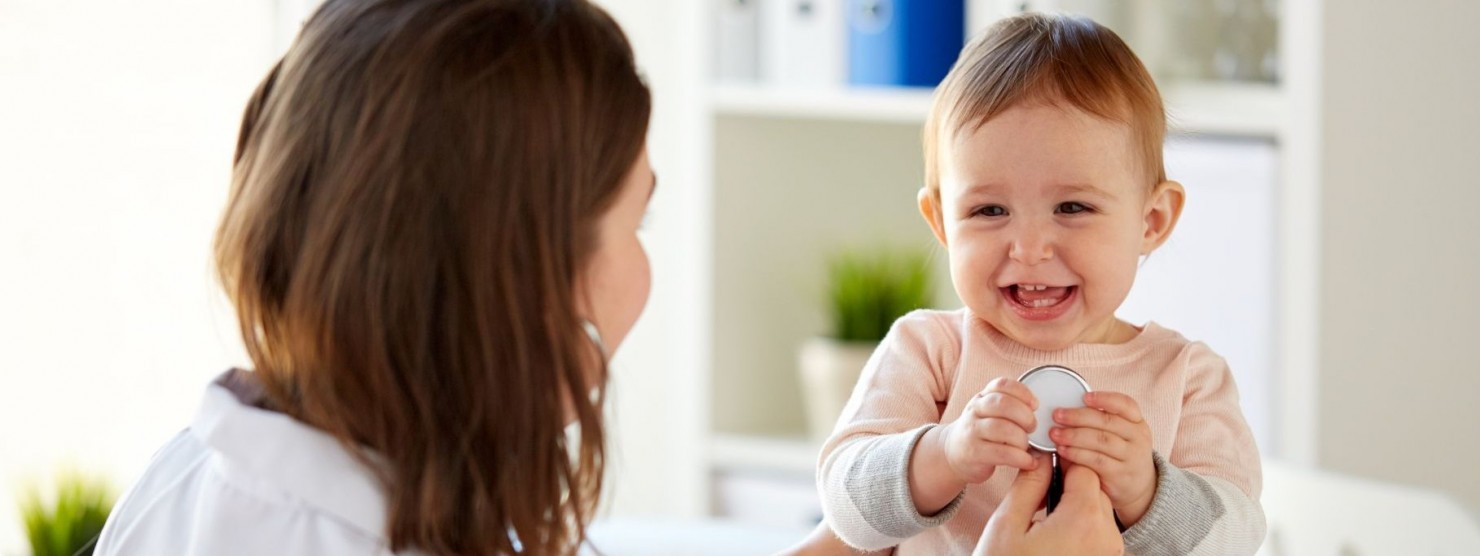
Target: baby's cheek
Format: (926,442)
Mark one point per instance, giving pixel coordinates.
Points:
(1112,283)
(972,278)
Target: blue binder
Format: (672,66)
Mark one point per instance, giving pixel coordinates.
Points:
(909,43)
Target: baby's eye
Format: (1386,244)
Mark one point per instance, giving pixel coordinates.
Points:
(1071,207)
(990,210)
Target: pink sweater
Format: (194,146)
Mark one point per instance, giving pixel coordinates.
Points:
(933,362)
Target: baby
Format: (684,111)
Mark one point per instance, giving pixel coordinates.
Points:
(1045,184)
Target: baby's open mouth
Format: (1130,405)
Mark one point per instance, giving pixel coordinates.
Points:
(1038,296)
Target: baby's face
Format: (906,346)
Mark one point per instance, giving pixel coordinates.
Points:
(1044,211)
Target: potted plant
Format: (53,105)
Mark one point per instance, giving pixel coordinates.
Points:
(71,524)
(866,293)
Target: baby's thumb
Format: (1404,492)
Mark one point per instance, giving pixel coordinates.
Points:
(1023,498)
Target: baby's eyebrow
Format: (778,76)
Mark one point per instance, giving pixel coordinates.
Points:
(987,188)
(1062,189)
(1083,189)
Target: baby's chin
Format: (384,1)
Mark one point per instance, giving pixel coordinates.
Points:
(1037,336)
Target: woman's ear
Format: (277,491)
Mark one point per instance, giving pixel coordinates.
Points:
(1163,209)
(930,210)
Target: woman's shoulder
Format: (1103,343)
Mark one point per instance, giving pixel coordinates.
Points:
(148,517)
(200,495)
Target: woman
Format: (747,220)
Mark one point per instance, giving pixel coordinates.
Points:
(431,246)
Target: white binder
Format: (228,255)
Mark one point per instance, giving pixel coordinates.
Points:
(737,51)
(803,42)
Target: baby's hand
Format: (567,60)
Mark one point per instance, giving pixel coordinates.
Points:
(1110,437)
(992,431)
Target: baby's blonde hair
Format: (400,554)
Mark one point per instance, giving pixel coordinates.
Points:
(1066,60)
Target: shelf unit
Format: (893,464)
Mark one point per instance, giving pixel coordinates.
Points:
(879,105)
(1196,108)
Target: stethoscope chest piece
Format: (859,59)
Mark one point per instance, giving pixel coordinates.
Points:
(1055,387)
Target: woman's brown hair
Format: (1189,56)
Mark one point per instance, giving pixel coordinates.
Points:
(414,196)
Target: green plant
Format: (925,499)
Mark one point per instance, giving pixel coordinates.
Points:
(70,525)
(868,291)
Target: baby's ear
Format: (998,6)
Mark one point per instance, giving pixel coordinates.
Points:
(1163,209)
(930,210)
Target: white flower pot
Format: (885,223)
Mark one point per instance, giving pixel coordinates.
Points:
(829,370)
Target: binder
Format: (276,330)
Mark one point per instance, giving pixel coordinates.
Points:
(737,28)
(803,41)
(910,43)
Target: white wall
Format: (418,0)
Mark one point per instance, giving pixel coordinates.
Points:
(657,448)
(1400,257)
(117,122)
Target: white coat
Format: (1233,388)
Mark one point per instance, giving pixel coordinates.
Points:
(245,480)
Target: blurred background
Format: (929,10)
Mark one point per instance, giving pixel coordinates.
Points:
(1329,149)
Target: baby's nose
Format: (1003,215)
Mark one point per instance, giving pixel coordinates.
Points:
(1030,247)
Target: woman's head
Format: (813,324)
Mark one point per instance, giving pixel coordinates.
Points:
(429,197)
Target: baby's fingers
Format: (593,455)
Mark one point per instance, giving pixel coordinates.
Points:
(990,405)
(1091,418)
(1093,439)
(1115,403)
(1011,387)
(1001,431)
(992,454)
(1103,464)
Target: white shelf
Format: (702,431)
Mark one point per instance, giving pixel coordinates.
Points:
(880,105)
(1196,108)
(1212,108)
(735,452)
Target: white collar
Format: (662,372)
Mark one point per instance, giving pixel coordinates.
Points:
(306,462)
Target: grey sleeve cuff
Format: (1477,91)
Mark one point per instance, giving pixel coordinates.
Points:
(1183,512)
(878,483)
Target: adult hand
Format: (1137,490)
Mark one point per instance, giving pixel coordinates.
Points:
(1082,523)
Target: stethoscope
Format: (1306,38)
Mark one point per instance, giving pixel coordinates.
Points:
(1055,387)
